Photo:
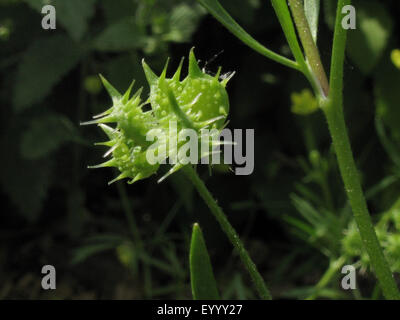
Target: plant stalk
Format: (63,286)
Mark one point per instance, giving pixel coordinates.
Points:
(309,46)
(215,8)
(350,176)
(333,110)
(229,231)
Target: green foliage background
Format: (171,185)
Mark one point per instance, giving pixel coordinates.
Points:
(130,242)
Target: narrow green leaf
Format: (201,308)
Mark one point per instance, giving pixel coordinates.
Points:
(219,13)
(120,36)
(26,183)
(203,282)
(311,8)
(36,142)
(285,19)
(368,42)
(83,253)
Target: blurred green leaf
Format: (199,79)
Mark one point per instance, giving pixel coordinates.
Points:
(42,66)
(125,8)
(387,95)
(5,29)
(45,134)
(95,245)
(124,68)
(72,14)
(390,147)
(25,182)
(311,7)
(183,22)
(203,282)
(395,56)
(85,252)
(367,43)
(120,36)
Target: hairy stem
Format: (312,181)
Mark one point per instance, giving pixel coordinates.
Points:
(229,231)
(350,176)
(333,110)
(309,46)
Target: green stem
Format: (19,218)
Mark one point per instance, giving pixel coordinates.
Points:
(309,46)
(229,231)
(222,16)
(285,20)
(333,109)
(350,176)
(334,266)
(283,14)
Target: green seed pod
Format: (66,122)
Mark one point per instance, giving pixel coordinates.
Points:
(128,140)
(127,156)
(197,102)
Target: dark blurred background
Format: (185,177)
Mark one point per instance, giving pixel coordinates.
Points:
(131,241)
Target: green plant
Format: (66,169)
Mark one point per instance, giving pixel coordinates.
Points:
(330,97)
(329,94)
(197,102)
(97,36)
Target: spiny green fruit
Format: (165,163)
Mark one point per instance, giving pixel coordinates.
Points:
(197,102)
(201,97)
(128,140)
(129,157)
